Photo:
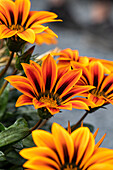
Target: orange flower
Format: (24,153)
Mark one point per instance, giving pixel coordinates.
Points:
(47,36)
(95,76)
(49,87)
(61,150)
(71,57)
(17,21)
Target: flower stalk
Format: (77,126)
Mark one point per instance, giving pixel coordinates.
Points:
(7,66)
(82,118)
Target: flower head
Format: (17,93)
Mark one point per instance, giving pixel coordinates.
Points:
(68,57)
(95,75)
(61,150)
(48,87)
(18,22)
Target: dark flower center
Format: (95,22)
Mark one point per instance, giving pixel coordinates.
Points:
(70,167)
(97,93)
(53,100)
(17,27)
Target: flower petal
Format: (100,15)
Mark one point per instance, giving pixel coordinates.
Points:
(67,81)
(44,139)
(15,78)
(76,90)
(49,71)
(7,8)
(101,156)
(79,104)
(41,162)
(34,77)
(38,104)
(27,35)
(53,110)
(5,32)
(23,8)
(40,17)
(63,142)
(97,73)
(24,100)
(38,28)
(30,153)
(101,166)
(81,138)
(24,88)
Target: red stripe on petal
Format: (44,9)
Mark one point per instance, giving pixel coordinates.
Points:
(5,32)
(23,8)
(49,71)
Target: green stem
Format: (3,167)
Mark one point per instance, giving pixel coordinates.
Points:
(7,66)
(5,84)
(82,118)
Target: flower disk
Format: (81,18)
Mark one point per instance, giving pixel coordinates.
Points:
(48,87)
(61,150)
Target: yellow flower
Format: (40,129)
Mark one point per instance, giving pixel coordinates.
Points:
(18,22)
(61,150)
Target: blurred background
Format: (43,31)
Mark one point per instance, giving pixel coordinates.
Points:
(87,27)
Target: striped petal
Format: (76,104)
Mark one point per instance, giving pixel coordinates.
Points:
(22,8)
(103,166)
(79,104)
(24,88)
(49,71)
(14,79)
(76,90)
(97,73)
(39,17)
(67,81)
(63,142)
(5,32)
(82,141)
(27,35)
(34,77)
(41,162)
(7,8)
(108,81)
(24,100)
(100,156)
(39,151)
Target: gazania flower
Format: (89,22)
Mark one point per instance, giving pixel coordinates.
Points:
(60,150)
(71,57)
(95,76)
(49,87)
(47,36)
(17,21)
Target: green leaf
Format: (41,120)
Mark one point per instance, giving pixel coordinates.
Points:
(4,101)
(14,133)
(2,127)
(2,156)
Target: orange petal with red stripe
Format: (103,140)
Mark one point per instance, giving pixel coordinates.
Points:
(22,8)
(49,71)
(24,100)
(5,32)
